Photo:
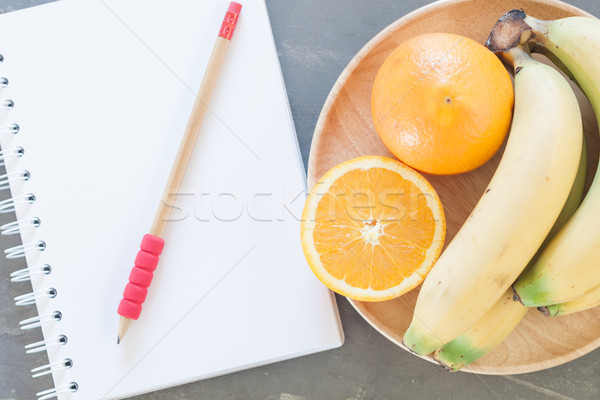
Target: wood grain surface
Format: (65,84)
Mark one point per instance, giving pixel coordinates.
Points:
(345,130)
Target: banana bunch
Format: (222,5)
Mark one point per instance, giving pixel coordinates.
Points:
(562,277)
(566,277)
(513,217)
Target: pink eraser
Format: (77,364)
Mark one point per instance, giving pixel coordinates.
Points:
(135,293)
(230,20)
(129,309)
(145,260)
(234,7)
(152,244)
(141,276)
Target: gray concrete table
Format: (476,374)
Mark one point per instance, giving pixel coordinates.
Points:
(315,40)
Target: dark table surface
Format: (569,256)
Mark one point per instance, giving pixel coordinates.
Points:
(315,40)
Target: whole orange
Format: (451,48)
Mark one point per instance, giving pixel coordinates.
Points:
(442,103)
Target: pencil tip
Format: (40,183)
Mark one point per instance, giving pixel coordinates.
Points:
(124,324)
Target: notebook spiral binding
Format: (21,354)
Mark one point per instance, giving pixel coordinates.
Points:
(7,206)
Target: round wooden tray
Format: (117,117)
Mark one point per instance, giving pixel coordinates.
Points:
(345,130)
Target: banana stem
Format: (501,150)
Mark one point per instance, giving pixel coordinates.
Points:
(539,27)
(514,28)
(508,39)
(510,30)
(518,57)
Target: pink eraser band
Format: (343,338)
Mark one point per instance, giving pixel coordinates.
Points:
(230,20)
(152,244)
(140,277)
(129,309)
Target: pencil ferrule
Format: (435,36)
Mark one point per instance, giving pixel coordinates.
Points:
(228,25)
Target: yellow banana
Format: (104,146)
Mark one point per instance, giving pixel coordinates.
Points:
(567,268)
(482,337)
(512,218)
(589,300)
(504,316)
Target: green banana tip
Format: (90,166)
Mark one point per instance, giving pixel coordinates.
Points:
(446,367)
(407,347)
(418,342)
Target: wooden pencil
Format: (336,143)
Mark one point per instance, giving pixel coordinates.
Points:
(152,244)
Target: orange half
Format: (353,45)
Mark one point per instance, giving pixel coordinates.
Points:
(372,228)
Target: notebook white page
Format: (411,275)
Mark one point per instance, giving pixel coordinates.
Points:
(102,93)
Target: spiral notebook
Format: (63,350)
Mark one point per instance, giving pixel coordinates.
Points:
(97,94)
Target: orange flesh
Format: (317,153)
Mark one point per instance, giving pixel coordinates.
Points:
(383,223)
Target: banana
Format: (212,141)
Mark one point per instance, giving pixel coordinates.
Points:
(482,337)
(588,300)
(514,215)
(571,205)
(567,268)
(505,315)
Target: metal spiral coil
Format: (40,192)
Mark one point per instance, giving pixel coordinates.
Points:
(10,128)
(25,274)
(8,205)
(14,152)
(7,104)
(39,320)
(42,345)
(16,227)
(30,298)
(22,249)
(49,368)
(54,392)
(5,179)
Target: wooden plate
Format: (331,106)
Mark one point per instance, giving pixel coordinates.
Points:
(345,130)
